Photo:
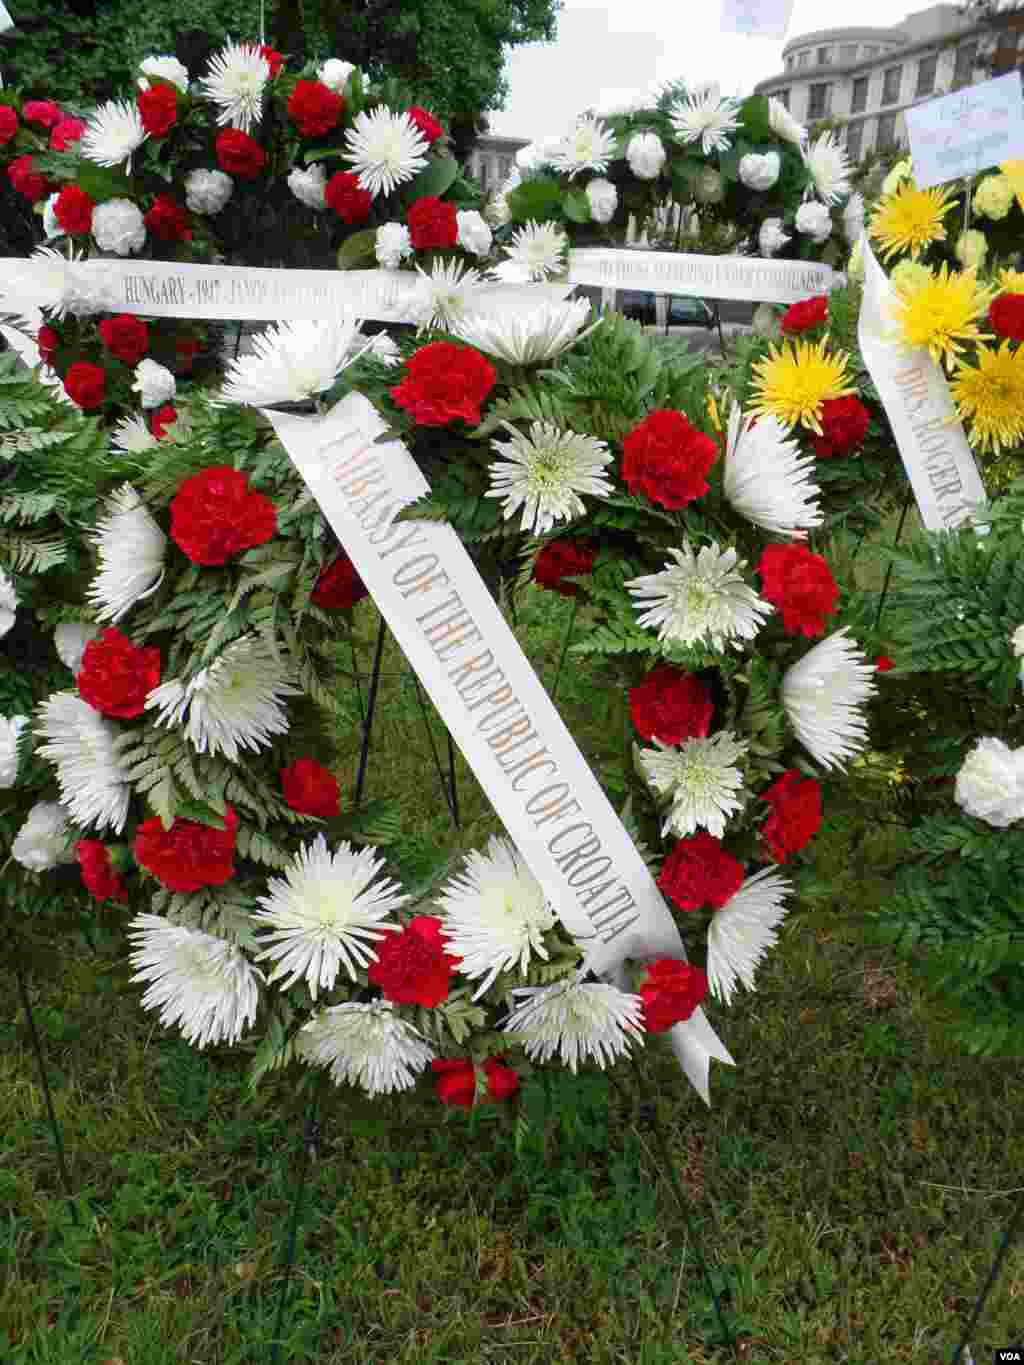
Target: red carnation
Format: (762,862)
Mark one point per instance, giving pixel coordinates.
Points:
(456,1080)
(186,349)
(161,418)
(671,705)
(85,385)
(215,514)
(188,856)
(126,337)
(801,584)
(344,194)
(65,133)
(47,340)
(1006,314)
(426,123)
(158,109)
(433,224)
(311,789)
(239,154)
(795,815)
(8,124)
(412,967)
(883,663)
(339,586)
(42,112)
(444,381)
(27,180)
(275,60)
(73,210)
(167,220)
(699,872)
(844,424)
(671,991)
(799,317)
(559,560)
(314,109)
(667,459)
(99,876)
(116,676)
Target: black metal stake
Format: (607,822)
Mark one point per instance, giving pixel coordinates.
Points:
(565,646)
(371,707)
(888,572)
(310,1149)
(1008,1236)
(451,782)
(355,668)
(445,787)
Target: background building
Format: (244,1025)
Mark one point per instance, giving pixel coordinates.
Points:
(866,77)
(492,158)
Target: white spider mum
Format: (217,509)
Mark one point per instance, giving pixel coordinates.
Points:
(494,914)
(235,83)
(821,694)
(85,748)
(386,149)
(701,597)
(743,930)
(324,914)
(576,1020)
(545,473)
(204,985)
(588,147)
(446,294)
(702,780)
(132,435)
(235,703)
(113,133)
(826,160)
(131,549)
(767,480)
(527,338)
(292,362)
(8,603)
(537,250)
(368,1046)
(705,117)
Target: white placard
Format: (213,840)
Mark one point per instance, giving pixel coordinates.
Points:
(761,18)
(751,278)
(968,131)
(446,623)
(918,404)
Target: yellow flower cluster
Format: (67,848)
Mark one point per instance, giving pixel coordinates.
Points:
(795,379)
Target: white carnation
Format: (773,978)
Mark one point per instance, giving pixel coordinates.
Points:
(43,840)
(646,155)
(760,172)
(10,729)
(814,221)
(308,186)
(771,238)
(334,74)
(117,226)
(990,784)
(154,384)
(70,640)
(207,192)
(165,69)
(474,234)
(603,198)
(50,224)
(393,245)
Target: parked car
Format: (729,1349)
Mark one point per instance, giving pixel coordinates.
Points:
(639,305)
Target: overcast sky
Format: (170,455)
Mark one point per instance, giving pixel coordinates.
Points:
(608,53)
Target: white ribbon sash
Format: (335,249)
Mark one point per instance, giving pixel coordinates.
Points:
(716,277)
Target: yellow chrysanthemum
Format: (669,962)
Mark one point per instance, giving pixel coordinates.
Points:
(990,397)
(942,312)
(1014,172)
(795,379)
(1011,281)
(910,219)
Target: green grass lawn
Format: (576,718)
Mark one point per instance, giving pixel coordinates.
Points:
(849,1184)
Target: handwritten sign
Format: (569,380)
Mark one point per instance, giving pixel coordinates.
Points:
(966,132)
(761,18)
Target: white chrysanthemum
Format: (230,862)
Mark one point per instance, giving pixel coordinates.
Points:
(853,219)
(368,1046)
(133,436)
(155,384)
(165,68)
(131,549)
(85,748)
(821,694)
(646,155)
(381,347)
(324,914)
(743,930)
(474,234)
(386,149)
(113,132)
(577,1021)
(603,198)
(334,74)
(44,841)
(527,338)
(700,777)
(990,783)
(207,192)
(782,123)
(767,479)
(494,914)
(771,238)
(760,172)
(830,170)
(118,226)
(538,249)
(235,83)
(588,147)
(235,703)
(446,295)
(204,985)
(10,728)
(701,597)
(292,362)
(8,603)
(392,245)
(309,185)
(707,118)
(545,473)
(814,221)
(70,639)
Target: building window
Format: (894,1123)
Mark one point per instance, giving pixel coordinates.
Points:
(860,95)
(783,97)
(789,62)
(848,53)
(886,137)
(854,138)
(871,51)
(963,71)
(803,59)
(505,165)
(891,85)
(926,74)
(824,56)
(818,104)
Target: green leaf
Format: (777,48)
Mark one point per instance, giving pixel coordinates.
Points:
(577,206)
(102,182)
(356,249)
(539,200)
(755,121)
(323,153)
(436,177)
